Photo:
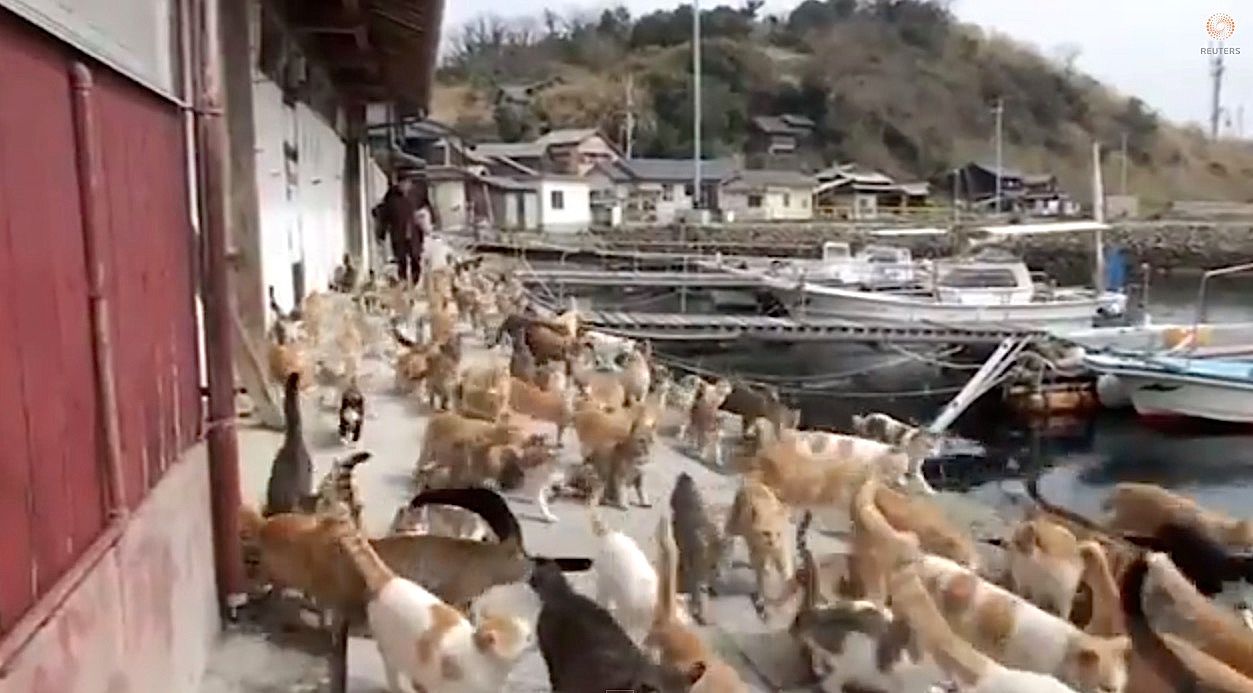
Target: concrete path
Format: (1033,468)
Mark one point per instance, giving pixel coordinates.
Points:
(251,660)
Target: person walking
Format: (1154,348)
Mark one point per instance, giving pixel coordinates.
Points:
(397,217)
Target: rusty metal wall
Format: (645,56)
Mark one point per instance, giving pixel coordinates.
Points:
(52,500)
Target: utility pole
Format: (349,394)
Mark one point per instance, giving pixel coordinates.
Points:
(1098,215)
(696,178)
(630,114)
(1122,187)
(1000,121)
(1216,72)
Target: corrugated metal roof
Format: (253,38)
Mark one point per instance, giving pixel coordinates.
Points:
(678,170)
(764,177)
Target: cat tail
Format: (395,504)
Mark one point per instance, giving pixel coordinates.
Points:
(483,502)
(867,517)
(374,572)
(291,405)
(958,658)
(1032,484)
(400,337)
(666,607)
(338,485)
(808,580)
(599,528)
(1144,640)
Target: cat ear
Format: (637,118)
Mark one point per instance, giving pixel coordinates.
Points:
(1088,657)
(695,672)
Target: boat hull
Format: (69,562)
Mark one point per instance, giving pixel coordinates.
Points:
(1155,397)
(1179,388)
(879,307)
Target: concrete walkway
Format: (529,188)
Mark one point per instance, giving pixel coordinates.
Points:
(253,659)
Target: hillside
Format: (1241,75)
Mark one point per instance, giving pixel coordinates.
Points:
(895,84)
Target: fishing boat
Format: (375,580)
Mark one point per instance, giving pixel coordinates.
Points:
(984,288)
(1202,371)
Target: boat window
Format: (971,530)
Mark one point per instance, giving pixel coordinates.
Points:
(983,277)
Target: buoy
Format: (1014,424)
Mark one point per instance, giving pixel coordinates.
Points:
(1112,392)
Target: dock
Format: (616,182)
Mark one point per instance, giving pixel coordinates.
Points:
(631,278)
(690,327)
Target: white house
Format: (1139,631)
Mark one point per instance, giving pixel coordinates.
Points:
(762,195)
(656,191)
(565,204)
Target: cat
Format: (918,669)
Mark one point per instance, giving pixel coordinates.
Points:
(626,583)
(351,412)
(290,487)
(1174,664)
(340,486)
(762,520)
(1045,566)
(584,648)
(856,644)
(700,545)
(973,671)
(425,641)
(1019,634)
(1180,609)
(677,644)
(1143,508)
(1106,619)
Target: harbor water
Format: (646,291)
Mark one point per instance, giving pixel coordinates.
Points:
(1079,460)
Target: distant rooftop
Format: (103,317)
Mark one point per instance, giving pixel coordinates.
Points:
(677,170)
(786,124)
(751,178)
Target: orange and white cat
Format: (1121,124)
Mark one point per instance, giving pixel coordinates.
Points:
(1045,565)
(1019,634)
(425,642)
(972,670)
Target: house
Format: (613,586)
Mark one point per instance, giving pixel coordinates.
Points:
(850,191)
(1042,197)
(765,195)
(513,204)
(976,183)
(521,95)
(575,151)
(657,191)
(568,151)
(565,204)
(779,134)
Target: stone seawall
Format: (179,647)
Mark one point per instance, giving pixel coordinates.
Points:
(1163,245)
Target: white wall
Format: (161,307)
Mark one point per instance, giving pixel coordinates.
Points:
(449,198)
(320,197)
(799,204)
(302,210)
(576,208)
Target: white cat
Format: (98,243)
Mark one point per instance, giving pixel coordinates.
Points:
(626,582)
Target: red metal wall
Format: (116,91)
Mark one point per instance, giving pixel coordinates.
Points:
(52,498)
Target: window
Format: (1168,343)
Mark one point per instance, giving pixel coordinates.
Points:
(804,203)
(557,199)
(754,201)
(787,200)
(687,189)
(667,192)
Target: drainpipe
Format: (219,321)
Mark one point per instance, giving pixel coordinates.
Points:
(91,193)
(212,163)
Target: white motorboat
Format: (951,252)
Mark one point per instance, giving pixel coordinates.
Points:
(1173,386)
(1201,371)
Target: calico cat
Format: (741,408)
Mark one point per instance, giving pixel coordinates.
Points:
(857,645)
(340,486)
(351,412)
(423,640)
(290,486)
(586,650)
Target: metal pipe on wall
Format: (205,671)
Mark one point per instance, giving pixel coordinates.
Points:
(212,162)
(91,195)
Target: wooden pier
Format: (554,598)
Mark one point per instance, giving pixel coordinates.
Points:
(686,327)
(660,279)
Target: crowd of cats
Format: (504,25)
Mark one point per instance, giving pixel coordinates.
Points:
(453,598)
